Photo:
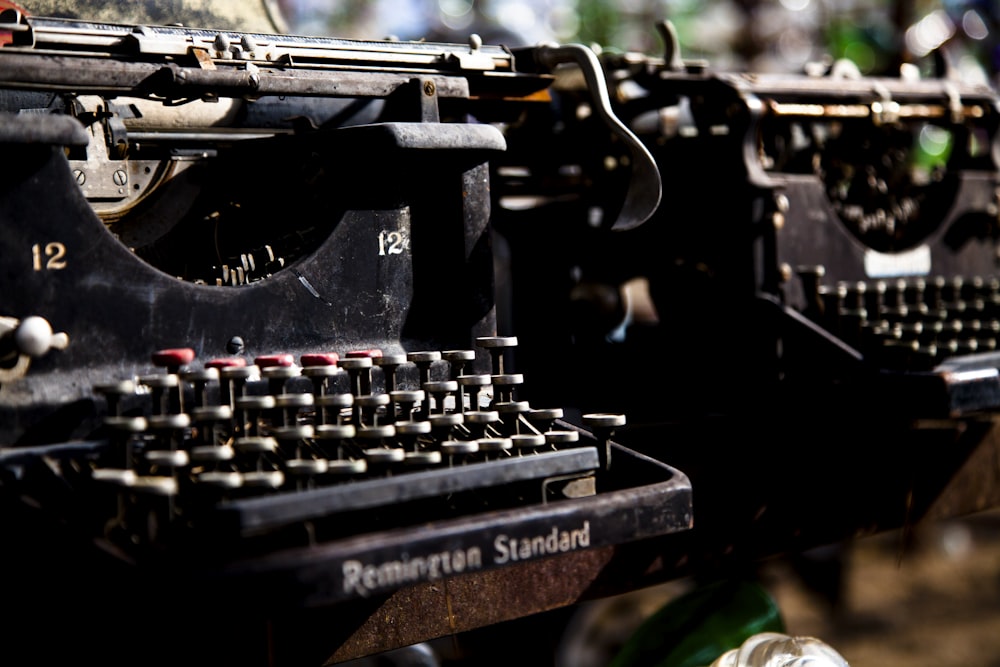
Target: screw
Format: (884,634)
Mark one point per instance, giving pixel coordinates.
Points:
(80,177)
(429,88)
(235,345)
(120,177)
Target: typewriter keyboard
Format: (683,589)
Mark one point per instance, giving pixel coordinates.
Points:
(280,441)
(909,324)
(326,476)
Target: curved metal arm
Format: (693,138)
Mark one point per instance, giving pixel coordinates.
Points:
(645,187)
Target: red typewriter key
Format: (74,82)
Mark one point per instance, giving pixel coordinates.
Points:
(373,353)
(269,360)
(319,359)
(173,358)
(226,362)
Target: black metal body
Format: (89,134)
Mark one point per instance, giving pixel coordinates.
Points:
(176,201)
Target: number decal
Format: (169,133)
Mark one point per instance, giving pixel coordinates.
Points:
(54,254)
(391,243)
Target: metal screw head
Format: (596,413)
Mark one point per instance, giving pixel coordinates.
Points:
(429,88)
(120,177)
(235,345)
(80,177)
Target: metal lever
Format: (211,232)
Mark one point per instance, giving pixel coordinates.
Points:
(645,187)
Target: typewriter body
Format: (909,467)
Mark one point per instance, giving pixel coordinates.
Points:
(250,353)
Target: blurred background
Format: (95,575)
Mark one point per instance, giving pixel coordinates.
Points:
(758,35)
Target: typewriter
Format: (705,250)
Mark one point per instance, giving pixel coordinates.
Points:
(250,354)
(821,273)
(816,225)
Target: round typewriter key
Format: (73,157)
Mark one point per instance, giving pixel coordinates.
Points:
(544,415)
(442,391)
(456,447)
(255,402)
(411,428)
(482,417)
(603,420)
(497,346)
(256,445)
(319,359)
(200,375)
(479,420)
(475,383)
(168,458)
(306,467)
(226,362)
(293,432)
(211,413)
(168,422)
(408,396)
(279,372)
(346,467)
(298,400)
(423,356)
(384,455)
(158,485)
(117,388)
(359,370)
(118,476)
(370,353)
(212,453)
(173,358)
(496,342)
(335,400)
(264,479)
(446,420)
(422,458)
(221,479)
(424,359)
(273,360)
(494,445)
(603,425)
(561,437)
(317,371)
(458,360)
(389,363)
(512,407)
(371,401)
(375,432)
(159,381)
(125,424)
(505,383)
(238,372)
(334,431)
(356,363)
(527,440)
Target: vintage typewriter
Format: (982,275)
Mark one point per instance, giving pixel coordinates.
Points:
(816,225)
(814,302)
(250,353)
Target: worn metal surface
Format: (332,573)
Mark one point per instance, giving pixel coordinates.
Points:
(255,15)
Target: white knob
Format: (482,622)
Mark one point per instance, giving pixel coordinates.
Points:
(34,337)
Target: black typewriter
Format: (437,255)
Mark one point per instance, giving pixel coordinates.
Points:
(250,357)
(816,229)
(807,326)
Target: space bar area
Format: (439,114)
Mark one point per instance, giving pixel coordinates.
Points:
(264,513)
